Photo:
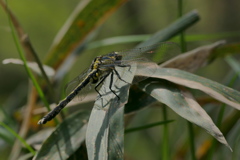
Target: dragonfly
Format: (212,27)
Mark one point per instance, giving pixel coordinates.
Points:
(103,67)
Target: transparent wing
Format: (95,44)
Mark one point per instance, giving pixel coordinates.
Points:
(157,52)
(146,56)
(71,86)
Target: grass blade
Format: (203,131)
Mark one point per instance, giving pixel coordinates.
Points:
(18,137)
(165,144)
(147,126)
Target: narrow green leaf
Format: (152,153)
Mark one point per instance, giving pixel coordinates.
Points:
(192,141)
(18,137)
(203,55)
(169,32)
(175,28)
(105,133)
(147,126)
(214,89)
(204,37)
(218,91)
(165,137)
(144,37)
(86,17)
(183,103)
(66,139)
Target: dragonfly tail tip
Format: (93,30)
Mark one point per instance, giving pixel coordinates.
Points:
(42,121)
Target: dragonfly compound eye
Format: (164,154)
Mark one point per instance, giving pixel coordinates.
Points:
(118,57)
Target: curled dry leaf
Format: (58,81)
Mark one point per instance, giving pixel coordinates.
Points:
(33,65)
(194,59)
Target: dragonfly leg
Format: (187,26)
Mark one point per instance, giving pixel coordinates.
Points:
(110,86)
(119,77)
(125,65)
(99,83)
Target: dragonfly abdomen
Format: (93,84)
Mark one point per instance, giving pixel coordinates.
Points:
(65,101)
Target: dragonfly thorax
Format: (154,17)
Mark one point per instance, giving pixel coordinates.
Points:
(96,62)
(95,77)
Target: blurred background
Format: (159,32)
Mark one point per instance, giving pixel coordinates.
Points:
(43,19)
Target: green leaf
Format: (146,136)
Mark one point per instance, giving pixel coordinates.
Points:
(194,113)
(87,16)
(105,133)
(66,139)
(175,28)
(144,37)
(147,126)
(218,91)
(183,103)
(38,138)
(18,137)
(189,61)
(169,32)
(205,37)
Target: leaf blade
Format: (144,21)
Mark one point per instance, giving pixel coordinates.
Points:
(218,91)
(105,133)
(66,139)
(183,103)
(87,16)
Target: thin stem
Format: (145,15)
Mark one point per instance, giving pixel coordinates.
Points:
(184,49)
(191,140)
(165,146)
(182,36)
(147,126)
